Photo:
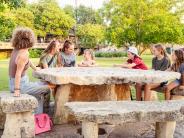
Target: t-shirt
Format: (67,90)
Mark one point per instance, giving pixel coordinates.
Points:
(68,60)
(139,63)
(47,59)
(162,64)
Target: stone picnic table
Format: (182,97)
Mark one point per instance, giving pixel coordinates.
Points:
(96,84)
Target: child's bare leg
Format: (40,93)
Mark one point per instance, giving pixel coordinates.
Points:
(51,86)
(138,88)
(169,87)
(54,88)
(147,90)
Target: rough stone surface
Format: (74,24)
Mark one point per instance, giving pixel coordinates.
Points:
(10,104)
(17,115)
(98,92)
(2,119)
(70,92)
(19,125)
(124,111)
(103,75)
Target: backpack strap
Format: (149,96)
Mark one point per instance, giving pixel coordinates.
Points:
(50,62)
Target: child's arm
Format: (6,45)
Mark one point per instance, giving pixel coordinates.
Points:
(93,64)
(169,69)
(129,66)
(119,65)
(82,64)
(33,66)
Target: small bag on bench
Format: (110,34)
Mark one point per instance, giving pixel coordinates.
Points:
(43,123)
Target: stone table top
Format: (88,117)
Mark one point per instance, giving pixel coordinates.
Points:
(11,104)
(103,75)
(117,112)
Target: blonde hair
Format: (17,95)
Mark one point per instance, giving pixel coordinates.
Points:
(91,53)
(23,37)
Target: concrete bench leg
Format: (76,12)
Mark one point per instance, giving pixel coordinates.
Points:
(90,130)
(62,96)
(19,125)
(165,129)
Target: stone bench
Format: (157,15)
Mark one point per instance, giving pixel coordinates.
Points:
(165,114)
(18,111)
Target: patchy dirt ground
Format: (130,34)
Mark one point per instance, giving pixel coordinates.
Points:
(131,130)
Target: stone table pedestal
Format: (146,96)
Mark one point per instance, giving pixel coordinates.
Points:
(69,92)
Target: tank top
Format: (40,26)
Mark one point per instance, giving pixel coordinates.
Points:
(13,65)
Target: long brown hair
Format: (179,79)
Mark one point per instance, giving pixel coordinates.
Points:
(66,45)
(179,59)
(51,45)
(49,48)
(162,50)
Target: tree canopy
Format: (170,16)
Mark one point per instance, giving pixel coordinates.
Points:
(90,35)
(118,22)
(49,18)
(143,21)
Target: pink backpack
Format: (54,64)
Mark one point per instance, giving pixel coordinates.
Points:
(43,123)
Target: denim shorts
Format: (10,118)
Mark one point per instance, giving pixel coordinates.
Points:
(177,81)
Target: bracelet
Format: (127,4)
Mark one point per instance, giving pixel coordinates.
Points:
(17,89)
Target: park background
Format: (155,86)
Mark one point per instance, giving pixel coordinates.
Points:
(107,26)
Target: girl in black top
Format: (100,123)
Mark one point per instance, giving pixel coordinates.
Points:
(159,62)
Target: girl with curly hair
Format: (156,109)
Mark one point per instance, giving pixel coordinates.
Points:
(22,40)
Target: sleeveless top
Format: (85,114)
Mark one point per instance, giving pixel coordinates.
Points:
(13,65)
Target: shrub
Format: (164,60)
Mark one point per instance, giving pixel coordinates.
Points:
(35,53)
(110,54)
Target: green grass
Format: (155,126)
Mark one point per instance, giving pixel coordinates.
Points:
(106,62)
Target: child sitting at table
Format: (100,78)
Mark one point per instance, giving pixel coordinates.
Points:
(177,66)
(89,59)
(67,55)
(159,62)
(134,62)
(49,57)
